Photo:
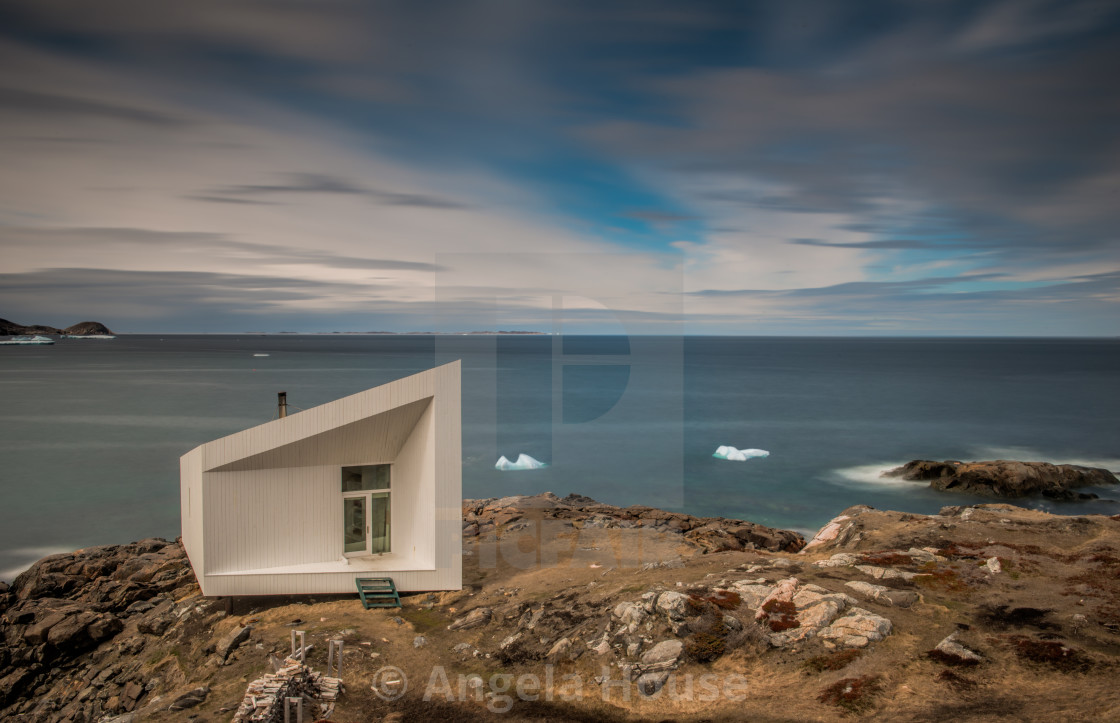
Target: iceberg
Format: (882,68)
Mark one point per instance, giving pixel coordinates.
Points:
(738,455)
(524,461)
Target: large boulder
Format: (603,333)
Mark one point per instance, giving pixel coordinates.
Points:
(1004,478)
(856,629)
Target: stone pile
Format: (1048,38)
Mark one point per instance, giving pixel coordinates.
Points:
(266,696)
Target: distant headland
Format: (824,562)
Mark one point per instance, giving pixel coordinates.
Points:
(82,328)
(408,333)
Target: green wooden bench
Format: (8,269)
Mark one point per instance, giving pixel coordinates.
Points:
(378,592)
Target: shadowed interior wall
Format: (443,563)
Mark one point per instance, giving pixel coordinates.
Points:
(414,504)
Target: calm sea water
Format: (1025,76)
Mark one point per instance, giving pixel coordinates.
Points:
(91,431)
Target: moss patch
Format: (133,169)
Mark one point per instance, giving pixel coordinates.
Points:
(854,695)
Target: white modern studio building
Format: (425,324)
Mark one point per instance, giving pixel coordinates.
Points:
(365,486)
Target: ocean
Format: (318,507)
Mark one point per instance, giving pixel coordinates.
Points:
(91,431)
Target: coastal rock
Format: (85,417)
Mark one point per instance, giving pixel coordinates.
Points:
(190,699)
(708,534)
(951,652)
(662,656)
(1004,478)
(840,559)
(60,613)
(752,592)
(783,592)
(560,650)
(830,532)
(603,645)
(232,640)
(673,604)
(631,615)
(884,595)
(856,629)
(474,619)
(885,573)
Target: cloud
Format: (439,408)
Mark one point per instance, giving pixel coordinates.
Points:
(14,100)
(888,244)
(315,183)
(215,245)
(136,295)
(814,168)
(230,199)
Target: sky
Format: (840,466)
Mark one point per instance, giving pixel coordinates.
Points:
(772,168)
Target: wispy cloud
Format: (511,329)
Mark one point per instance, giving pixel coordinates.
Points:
(314,183)
(15,100)
(886,244)
(212,244)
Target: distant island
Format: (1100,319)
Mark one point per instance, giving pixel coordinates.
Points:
(408,333)
(82,328)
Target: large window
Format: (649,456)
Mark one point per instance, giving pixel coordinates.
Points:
(365,509)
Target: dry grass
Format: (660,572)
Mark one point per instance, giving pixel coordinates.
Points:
(831,661)
(887,559)
(936,577)
(956,681)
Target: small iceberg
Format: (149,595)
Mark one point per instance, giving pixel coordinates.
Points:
(738,455)
(524,461)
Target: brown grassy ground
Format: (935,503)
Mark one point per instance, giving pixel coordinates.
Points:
(1054,568)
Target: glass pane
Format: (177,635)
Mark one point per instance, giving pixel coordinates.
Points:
(379,521)
(351,479)
(366,477)
(354,524)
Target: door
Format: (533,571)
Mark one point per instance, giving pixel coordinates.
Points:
(354,528)
(366,509)
(379,522)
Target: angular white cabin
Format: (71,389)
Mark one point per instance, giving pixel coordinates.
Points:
(369,485)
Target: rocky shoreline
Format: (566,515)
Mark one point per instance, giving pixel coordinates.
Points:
(991,612)
(1005,478)
(710,534)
